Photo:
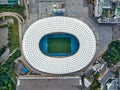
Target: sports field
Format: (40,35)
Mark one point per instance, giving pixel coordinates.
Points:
(59,45)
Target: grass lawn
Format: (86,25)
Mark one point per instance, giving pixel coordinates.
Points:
(13,35)
(12,8)
(59,45)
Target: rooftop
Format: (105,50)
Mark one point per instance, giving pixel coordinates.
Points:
(62,65)
(113,84)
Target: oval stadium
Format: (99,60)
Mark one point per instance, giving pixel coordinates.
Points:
(59,45)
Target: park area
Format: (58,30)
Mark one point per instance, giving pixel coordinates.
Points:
(13,34)
(7,74)
(112,55)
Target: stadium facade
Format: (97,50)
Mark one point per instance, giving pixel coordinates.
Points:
(74,50)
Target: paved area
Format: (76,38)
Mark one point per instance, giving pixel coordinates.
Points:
(3,36)
(103,33)
(6,21)
(116,32)
(26,10)
(40,9)
(37,83)
(18,67)
(77,9)
(4,55)
(4,42)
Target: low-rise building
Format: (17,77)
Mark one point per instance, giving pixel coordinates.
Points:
(97,67)
(112,84)
(107,11)
(87,83)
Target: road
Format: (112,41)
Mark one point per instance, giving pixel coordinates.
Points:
(10,55)
(116,32)
(18,16)
(26,10)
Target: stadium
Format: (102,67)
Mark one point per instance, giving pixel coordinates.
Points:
(59,45)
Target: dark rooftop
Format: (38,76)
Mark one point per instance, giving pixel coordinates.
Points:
(106,77)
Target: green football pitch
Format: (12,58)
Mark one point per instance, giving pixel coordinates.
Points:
(59,45)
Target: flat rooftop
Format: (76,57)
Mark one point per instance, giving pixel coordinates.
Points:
(49,83)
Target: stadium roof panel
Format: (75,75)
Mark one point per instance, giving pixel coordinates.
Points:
(55,65)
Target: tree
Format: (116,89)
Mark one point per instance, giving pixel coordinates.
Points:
(112,55)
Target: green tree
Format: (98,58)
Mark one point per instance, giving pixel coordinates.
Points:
(112,55)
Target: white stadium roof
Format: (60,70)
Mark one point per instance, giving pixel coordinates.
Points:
(62,65)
